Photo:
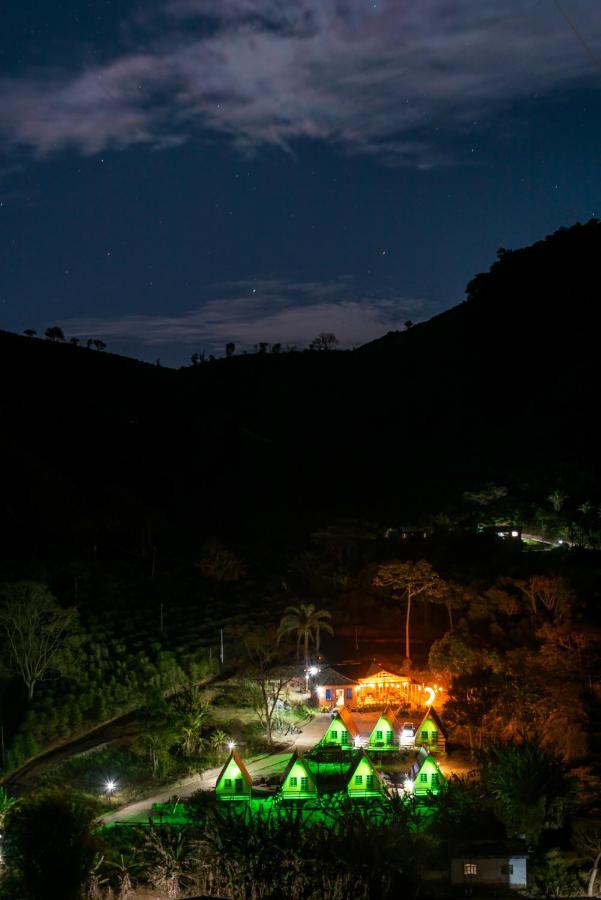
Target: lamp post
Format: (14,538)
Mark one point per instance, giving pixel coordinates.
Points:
(110,787)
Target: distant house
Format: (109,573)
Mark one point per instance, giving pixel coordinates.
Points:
(494,863)
(386,733)
(341,731)
(233,782)
(424,775)
(299,782)
(335,689)
(363,684)
(380,685)
(431,733)
(363,779)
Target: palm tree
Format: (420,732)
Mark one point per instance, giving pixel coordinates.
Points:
(307,622)
(557,499)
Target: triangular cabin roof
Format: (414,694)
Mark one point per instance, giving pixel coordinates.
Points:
(433,715)
(356,762)
(243,770)
(388,717)
(295,759)
(347,720)
(421,758)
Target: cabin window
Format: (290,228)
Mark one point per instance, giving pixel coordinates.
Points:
(434,737)
(378,735)
(423,778)
(238,784)
(470,869)
(344,737)
(358,779)
(389,737)
(424,736)
(228,784)
(507,870)
(335,736)
(434,779)
(369,782)
(349,693)
(293,781)
(304,784)
(328,693)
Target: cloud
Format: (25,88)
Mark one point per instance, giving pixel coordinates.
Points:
(290,313)
(386,78)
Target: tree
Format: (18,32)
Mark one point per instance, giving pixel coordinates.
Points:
(219,564)
(557,498)
(307,622)
(548,592)
(267,677)
(99,345)
(30,332)
(324,341)
(230,349)
(409,580)
(6,803)
(50,844)
(529,785)
(74,341)
(587,838)
(54,333)
(408,324)
(36,629)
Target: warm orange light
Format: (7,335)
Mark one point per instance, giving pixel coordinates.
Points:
(431,694)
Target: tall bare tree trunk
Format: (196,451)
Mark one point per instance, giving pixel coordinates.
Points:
(591,881)
(407,621)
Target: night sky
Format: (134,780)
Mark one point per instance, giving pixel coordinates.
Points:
(180,173)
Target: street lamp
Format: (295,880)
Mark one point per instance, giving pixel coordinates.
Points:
(231,745)
(110,787)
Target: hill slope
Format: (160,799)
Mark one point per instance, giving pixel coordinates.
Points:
(503,388)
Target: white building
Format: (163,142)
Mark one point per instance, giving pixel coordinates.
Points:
(489,863)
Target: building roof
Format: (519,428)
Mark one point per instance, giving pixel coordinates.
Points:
(333,677)
(298,758)
(498,849)
(347,720)
(359,757)
(243,770)
(432,714)
(375,670)
(420,759)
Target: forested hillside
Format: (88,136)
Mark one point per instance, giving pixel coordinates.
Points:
(102,451)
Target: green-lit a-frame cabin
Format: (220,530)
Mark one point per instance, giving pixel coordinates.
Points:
(341,731)
(386,732)
(363,779)
(431,732)
(424,775)
(299,781)
(233,782)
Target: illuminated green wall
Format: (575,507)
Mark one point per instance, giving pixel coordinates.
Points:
(364,781)
(429,778)
(383,736)
(299,782)
(231,784)
(337,735)
(429,734)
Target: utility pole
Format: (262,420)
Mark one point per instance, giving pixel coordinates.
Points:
(162,617)
(221,654)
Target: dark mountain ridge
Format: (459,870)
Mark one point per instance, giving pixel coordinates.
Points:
(102,450)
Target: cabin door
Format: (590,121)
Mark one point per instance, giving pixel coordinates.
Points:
(340,697)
